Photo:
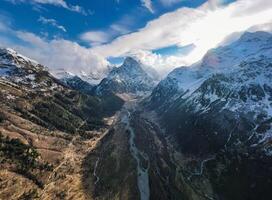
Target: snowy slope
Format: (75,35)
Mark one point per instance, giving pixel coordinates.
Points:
(24,71)
(10,57)
(92,78)
(244,96)
(250,46)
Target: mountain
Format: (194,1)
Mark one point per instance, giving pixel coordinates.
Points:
(225,98)
(93,78)
(218,112)
(78,84)
(20,70)
(130,77)
(46,129)
(222,59)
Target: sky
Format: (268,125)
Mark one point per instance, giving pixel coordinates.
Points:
(88,35)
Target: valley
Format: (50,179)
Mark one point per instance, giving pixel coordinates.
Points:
(203,132)
(142,159)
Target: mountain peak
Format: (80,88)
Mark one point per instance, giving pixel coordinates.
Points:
(131,63)
(10,56)
(250,45)
(130,77)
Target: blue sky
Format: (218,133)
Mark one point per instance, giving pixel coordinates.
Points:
(98,15)
(86,35)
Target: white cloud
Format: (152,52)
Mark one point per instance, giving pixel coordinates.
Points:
(148,5)
(53,2)
(99,37)
(60,53)
(162,64)
(170,2)
(120,29)
(205,27)
(52,22)
(56,53)
(59,3)
(95,37)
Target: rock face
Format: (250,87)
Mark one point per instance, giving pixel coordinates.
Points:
(218,111)
(130,77)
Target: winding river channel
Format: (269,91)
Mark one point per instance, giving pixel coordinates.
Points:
(142,178)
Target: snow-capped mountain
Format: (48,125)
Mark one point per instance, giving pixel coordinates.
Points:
(92,78)
(228,91)
(130,77)
(240,101)
(179,81)
(24,71)
(11,57)
(233,81)
(82,81)
(250,46)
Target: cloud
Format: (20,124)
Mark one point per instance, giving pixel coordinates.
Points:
(60,53)
(162,64)
(99,37)
(170,2)
(58,3)
(148,5)
(3,26)
(204,27)
(120,29)
(52,22)
(56,53)
(95,37)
